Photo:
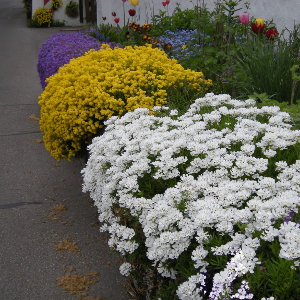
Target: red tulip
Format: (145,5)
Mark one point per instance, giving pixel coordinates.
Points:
(164,3)
(104,18)
(272,34)
(117,20)
(167,2)
(244,18)
(113,14)
(258,26)
(131,12)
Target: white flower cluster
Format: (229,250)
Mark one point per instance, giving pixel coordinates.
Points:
(125,269)
(221,182)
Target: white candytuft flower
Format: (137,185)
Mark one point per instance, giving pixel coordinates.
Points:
(178,178)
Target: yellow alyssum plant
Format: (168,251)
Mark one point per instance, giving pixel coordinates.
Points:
(42,15)
(100,84)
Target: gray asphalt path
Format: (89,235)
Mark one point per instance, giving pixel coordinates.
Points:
(33,187)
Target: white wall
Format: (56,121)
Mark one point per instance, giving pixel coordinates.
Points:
(283,12)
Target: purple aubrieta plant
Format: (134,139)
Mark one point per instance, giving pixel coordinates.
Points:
(60,48)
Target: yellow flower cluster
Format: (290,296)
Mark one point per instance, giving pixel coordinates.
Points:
(56,4)
(42,15)
(100,84)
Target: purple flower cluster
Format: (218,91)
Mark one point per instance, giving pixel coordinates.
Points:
(60,48)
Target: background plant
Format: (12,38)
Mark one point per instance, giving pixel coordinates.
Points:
(132,34)
(109,33)
(56,4)
(266,67)
(228,51)
(213,214)
(138,34)
(237,59)
(42,16)
(179,20)
(72,9)
(105,83)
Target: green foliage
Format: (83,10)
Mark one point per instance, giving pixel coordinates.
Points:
(109,33)
(180,19)
(133,34)
(266,68)
(275,276)
(32,23)
(238,61)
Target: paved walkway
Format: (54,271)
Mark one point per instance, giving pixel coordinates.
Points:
(41,203)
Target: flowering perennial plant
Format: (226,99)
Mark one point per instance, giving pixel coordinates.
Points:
(209,199)
(138,34)
(105,83)
(56,4)
(60,48)
(42,15)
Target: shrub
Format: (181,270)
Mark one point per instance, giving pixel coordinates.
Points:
(60,48)
(105,83)
(204,205)
(42,16)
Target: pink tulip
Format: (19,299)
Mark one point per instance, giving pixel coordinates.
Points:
(244,18)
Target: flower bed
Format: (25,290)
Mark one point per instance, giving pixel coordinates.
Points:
(206,202)
(203,203)
(105,83)
(60,48)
